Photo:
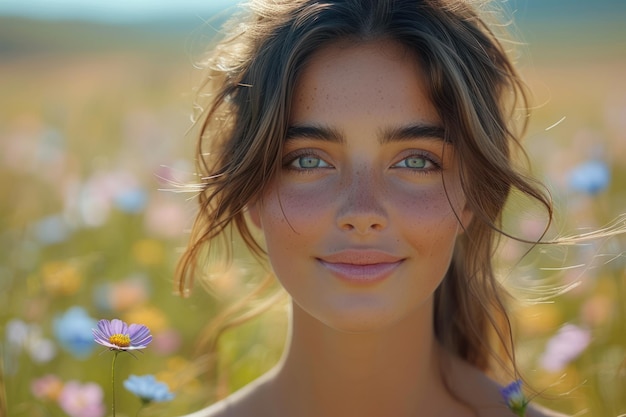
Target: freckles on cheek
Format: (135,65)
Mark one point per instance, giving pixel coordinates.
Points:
(430,213)
(295,211)
(428,204)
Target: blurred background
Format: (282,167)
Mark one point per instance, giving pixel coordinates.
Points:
(95,104)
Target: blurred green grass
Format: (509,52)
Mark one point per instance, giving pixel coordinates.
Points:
(93,116)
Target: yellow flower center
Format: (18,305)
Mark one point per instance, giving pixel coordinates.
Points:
(121,340)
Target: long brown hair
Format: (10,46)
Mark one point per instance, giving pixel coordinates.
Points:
(472,83)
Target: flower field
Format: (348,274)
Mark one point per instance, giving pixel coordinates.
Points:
(93,146)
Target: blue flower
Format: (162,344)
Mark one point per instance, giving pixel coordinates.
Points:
(148,389)
(591,177)
(515,398)
(51,230)
(131,201)
(73,331)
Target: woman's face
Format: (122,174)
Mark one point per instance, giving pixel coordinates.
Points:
(359,226)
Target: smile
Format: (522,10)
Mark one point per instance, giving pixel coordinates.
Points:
(361,266)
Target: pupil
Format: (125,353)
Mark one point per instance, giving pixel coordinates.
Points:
(416,162)
(309,162)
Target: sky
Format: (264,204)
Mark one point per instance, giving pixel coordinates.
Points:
(111,10)
(125,11)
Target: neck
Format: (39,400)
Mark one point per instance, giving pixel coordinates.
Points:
(393,371)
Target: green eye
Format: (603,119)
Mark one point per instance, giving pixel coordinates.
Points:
(308,162)
(419,164)
(416,162)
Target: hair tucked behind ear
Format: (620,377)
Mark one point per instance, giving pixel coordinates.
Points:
(472,83)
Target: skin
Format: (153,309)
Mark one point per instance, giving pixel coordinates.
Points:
(362,202)
(360,227)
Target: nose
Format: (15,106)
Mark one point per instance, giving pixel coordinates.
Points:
(361,207)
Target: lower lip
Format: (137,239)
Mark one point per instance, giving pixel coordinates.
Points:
(361,273)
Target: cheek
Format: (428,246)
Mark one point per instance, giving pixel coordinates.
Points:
(428,206)
(429,221)
(290,215)
(291,223)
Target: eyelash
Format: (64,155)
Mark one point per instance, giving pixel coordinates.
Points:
(436,165)
(294,156)
(291,158)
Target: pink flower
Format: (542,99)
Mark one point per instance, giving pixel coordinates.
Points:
(82,400)
(165,218)
(569,342)
(48,387)
(167,342)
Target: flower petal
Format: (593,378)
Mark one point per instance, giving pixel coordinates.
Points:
(139,335)
(105,327)
(118,327)
(99,336)
(148,388)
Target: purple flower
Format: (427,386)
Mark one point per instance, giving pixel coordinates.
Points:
(515,398)
(148,389)
(591,177)
(569,342)
(82,400)
(117,335)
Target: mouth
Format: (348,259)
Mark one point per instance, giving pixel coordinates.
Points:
(361,266)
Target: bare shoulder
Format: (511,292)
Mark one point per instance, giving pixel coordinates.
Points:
(249,401)
(219,409)
(231,406)
(538,411)
(473,387)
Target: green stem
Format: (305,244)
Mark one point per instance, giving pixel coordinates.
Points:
(113,380)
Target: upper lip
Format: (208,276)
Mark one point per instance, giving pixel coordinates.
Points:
(360,257)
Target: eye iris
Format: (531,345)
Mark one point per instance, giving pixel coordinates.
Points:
(416,162)
(309,162)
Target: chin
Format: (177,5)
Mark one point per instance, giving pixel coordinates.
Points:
(361,316)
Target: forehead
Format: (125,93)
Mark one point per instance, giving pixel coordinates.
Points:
(380,79)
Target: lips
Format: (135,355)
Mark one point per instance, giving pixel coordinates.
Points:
(361,266)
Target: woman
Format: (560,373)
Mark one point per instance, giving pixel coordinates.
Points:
(370,142)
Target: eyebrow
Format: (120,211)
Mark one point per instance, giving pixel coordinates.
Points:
(393,134)
(315,132)
(413,131)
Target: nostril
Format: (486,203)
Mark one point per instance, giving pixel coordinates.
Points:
(347,227)
(362,225)
(377,226)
